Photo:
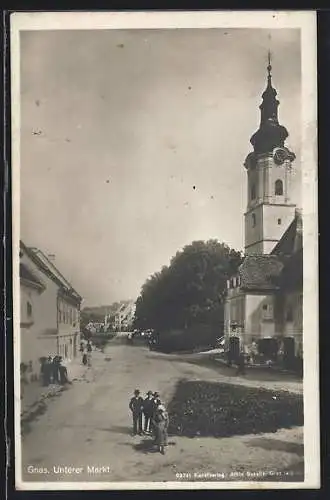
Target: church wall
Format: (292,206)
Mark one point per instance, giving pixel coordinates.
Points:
(259,317)
(234,312)
(293,318)
(265,226)
(256,249)
(276,220)
(253,230)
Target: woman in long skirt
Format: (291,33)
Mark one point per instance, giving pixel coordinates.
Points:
(160,426)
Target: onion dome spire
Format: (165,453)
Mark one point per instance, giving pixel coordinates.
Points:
(270,134)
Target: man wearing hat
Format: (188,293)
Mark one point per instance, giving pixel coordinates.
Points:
(156,399)
(136,407)
(148,411)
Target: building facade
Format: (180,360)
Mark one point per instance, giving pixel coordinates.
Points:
(49,311)
(263,309)
(124,316)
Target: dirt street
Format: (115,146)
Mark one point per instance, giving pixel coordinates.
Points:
(85,435)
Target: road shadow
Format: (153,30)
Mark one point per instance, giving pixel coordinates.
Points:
(146,446)
(270,444)
(118,429)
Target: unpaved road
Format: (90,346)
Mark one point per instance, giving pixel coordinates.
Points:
(88,429)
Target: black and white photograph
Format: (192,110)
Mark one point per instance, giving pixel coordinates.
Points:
(165,268)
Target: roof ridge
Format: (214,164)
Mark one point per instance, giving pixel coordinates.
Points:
(33,252)
(52,265)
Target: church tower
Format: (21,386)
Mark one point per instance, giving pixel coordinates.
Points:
(270,209)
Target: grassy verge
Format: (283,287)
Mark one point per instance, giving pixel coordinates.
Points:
(223,410)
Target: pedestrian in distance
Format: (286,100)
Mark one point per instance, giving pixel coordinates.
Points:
(148,411)
(83,353)
(63,372)
(89,353)
(160,424)
(136,407)
(43,371)
(47,371)
(55,370)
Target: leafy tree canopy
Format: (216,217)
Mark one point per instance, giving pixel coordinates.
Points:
(190,290)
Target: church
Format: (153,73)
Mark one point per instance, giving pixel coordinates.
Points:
(264,300)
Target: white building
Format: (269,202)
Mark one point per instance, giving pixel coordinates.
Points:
(49,310)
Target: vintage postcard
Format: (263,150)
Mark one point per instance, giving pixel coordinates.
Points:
(165,250)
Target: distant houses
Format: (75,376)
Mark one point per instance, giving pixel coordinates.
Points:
(49,311)
(124,316)
(118,316)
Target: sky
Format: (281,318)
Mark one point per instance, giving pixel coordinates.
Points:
(133,144)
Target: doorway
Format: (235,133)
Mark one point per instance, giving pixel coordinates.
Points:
(289,352)
(234,349)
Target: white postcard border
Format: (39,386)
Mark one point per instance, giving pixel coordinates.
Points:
(306,21)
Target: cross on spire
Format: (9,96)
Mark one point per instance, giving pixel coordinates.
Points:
(269,67)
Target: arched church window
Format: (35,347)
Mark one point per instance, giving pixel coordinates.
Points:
(253,192)
(279,187)
(253,220)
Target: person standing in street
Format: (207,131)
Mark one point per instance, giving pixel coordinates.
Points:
(89,353)
(136,407)
(148,410)
(160,424)
(63,372)
(156,400)
(55,370)
(82,351)
(47,371)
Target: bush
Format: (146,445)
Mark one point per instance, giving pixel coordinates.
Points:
(199,336)
(222,410)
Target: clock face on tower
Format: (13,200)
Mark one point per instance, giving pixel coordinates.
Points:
(280,155)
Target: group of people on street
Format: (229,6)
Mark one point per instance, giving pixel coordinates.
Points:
(86,352)
(53,371)
(156,418)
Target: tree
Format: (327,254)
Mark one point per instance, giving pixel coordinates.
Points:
(190,290)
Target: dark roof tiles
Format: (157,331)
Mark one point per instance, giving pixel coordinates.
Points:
(260,272)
